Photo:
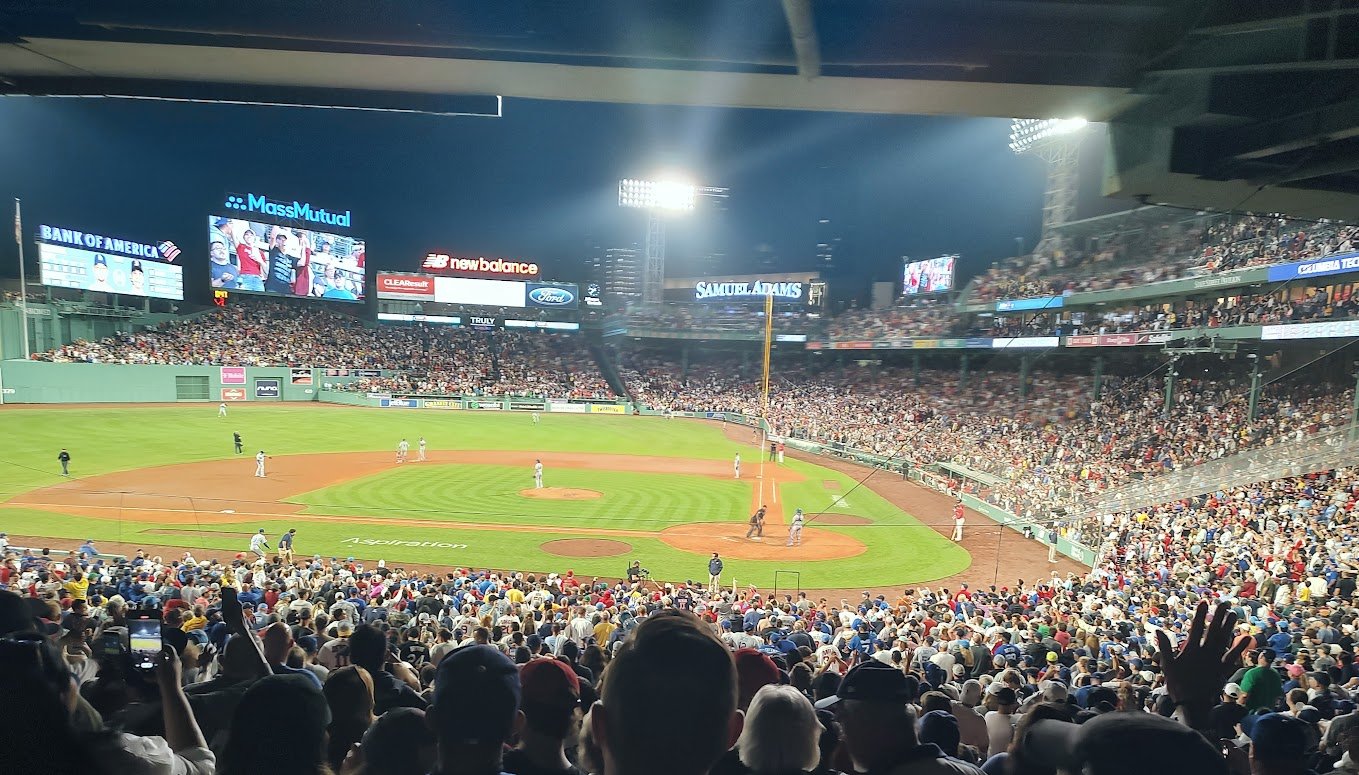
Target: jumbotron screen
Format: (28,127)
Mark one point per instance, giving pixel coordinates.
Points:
(70,258)
(934,275)
(250,256)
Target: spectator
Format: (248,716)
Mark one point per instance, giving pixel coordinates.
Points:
(781,733)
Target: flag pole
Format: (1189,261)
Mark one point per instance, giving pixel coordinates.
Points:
(23,279)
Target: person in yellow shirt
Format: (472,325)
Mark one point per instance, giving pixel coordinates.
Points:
(514,595)
(603,630)
(197,621)
(78,587)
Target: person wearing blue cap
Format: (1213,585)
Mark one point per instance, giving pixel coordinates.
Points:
(476,702)
(100,272)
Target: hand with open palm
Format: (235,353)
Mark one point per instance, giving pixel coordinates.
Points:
(1195,675)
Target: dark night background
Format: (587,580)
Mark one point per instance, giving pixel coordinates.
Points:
(537,183)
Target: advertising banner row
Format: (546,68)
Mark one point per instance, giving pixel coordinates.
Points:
(1018,342)
(489,293)
(1121,340)
(387,401)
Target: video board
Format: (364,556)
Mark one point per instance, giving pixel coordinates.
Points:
(70,258)
(934,275)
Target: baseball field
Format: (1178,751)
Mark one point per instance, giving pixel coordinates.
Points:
(616,488)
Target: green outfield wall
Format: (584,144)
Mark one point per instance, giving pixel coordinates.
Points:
(36,382)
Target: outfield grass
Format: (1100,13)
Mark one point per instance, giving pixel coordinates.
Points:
(900,549)
(475,493)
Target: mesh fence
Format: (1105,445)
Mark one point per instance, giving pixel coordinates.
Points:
(1330,449)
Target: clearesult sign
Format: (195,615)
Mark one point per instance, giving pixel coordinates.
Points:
(404,286)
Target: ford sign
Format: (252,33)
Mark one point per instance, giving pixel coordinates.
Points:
(552,297)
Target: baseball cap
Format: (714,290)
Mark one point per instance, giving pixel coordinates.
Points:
(754,669)
(941,728)
(1277,736)
(1102,745)
(549,683)
(871,682)
(483,673)
(1232,690)
(101,260)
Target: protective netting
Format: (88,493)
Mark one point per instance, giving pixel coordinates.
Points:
(1330,449)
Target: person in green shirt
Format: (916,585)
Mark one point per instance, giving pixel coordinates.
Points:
(1262,684)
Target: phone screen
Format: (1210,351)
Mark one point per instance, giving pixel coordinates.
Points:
(112,644)
(144,641)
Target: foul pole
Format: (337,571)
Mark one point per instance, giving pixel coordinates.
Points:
(764,391)
(23,279)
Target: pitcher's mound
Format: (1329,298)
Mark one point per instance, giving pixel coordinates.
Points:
(586,547)
(729,538)
(561,493)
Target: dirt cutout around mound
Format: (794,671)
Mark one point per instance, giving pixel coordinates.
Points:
(561,493)
(586,547)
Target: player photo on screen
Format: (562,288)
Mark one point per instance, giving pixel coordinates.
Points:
(934,275)
(284,260)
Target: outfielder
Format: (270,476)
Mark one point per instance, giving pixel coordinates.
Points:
(402,450)
(795,529)
(535,418)
(421,449)
(259,464)
(959,518)
(221,409)
(736,464)
(537,474)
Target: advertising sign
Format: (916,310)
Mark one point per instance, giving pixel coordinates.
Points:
(300,376)
(399,403)
(483,322)
(552,296)
(1018,305)
(486,405)
(1325,330)
(566,406)
(479,266)
(607,409)
(1025,341)
(69,258)
(442,403)
(750,291)
(934,275)
(252,255)
(233,394)
(532,406)
(233,375)
(405,286)
(1337,264)
(267,388)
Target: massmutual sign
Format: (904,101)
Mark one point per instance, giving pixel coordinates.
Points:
(292,211)
(704,291)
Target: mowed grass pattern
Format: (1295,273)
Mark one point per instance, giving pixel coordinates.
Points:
(901,550)
(477,493)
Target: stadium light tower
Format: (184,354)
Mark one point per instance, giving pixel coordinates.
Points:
(659,198)
(1056,141)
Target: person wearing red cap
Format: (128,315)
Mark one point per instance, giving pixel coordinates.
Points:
(548,716)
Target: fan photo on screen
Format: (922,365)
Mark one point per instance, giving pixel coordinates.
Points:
(257,257)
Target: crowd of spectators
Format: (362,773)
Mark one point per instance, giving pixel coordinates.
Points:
(280,664)
(1170,250)
(414,358)
(722,317)
(923,319)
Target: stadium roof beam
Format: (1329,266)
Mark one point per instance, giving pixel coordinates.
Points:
(802,29)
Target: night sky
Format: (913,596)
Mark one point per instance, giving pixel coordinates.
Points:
(537,183)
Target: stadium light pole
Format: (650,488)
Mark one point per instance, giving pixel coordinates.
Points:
(1056,141)
(659,198)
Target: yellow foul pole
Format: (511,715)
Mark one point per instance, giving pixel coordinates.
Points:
(764,391)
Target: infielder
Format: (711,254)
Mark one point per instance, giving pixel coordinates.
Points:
(537,474)
(258,543)
(795,529)
(421,448)
(221,409)
(959,518)
(736,464)
(259,464)
(402,450)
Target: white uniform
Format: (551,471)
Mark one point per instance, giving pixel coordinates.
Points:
(221,410)
(422,448)
(736,464)
(258,543)
(538,475)
(795,529)
(535,418)
(402,450)
(259,464)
